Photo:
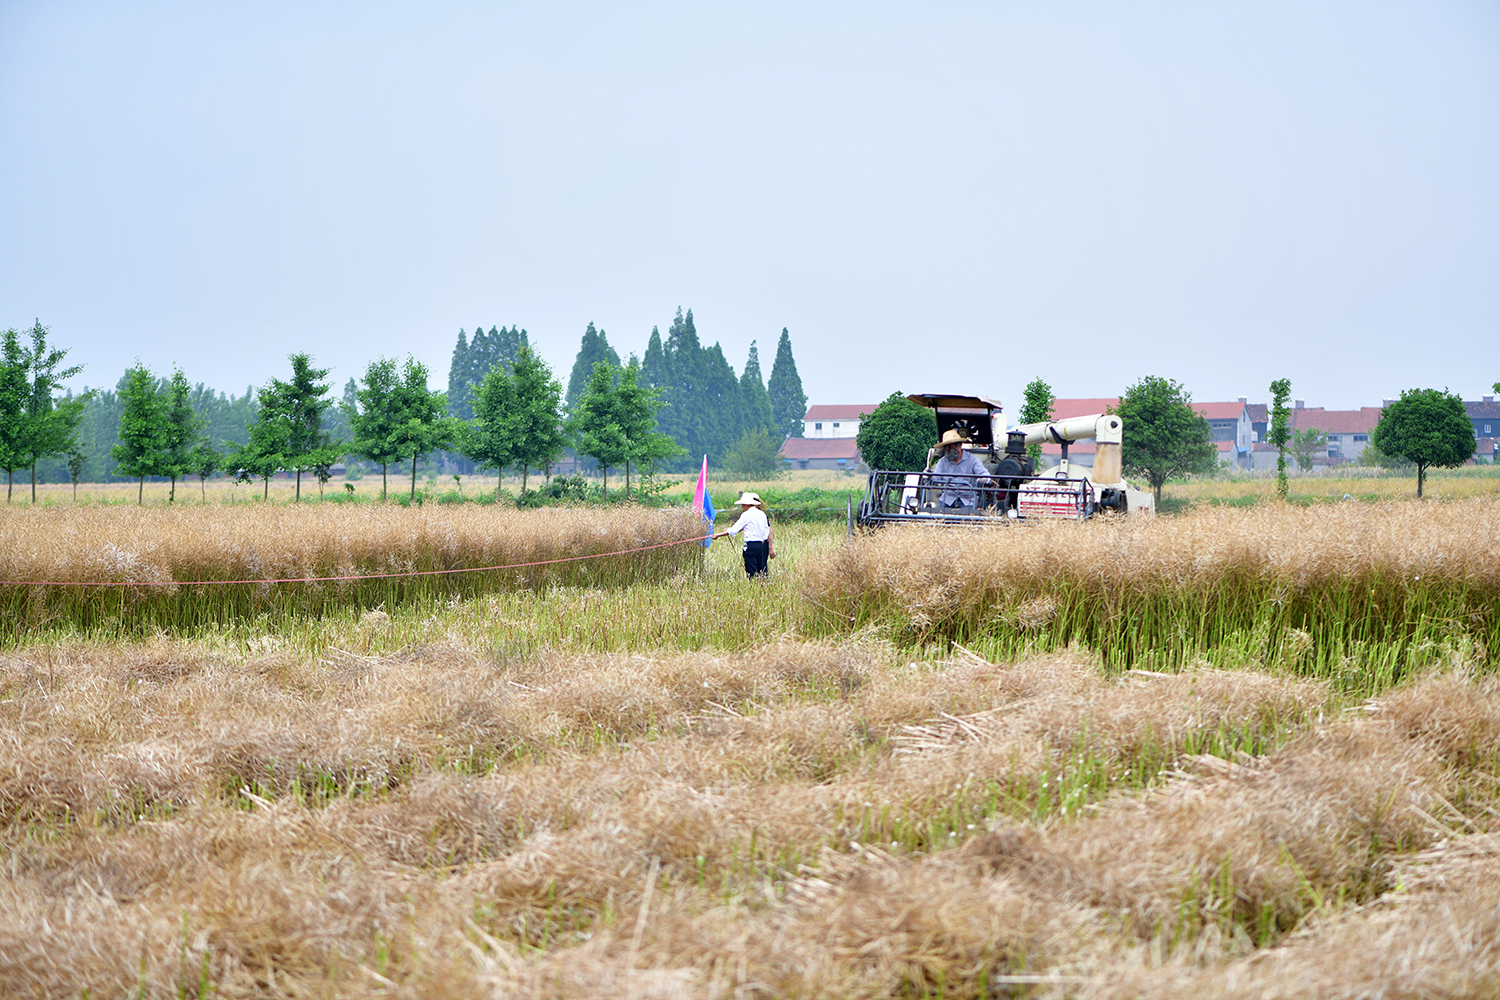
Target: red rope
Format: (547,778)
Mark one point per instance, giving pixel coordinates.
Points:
(332,579)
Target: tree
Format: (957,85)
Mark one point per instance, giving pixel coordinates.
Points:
(33,423)
(1281,389)
(474,359)
(1305,444)
(180,431)
(595,424)
(634,409)
(301,403)
(1428,426)
(374,416)
(756,455)
(141,428)
(784,387)
(897,435)
(76,462)
(592,350)
(205,461)
(1036,409)
(422,424)
(1162,435)
(489,438)
(754,399)
(538,428)
(264,453)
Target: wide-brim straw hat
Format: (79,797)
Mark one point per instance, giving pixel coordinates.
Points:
(748,499)
(952,436)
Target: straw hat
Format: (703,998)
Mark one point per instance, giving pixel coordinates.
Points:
(749,500)
(952,436)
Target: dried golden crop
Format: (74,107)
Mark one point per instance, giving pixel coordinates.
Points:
(161,549)
(1280,583)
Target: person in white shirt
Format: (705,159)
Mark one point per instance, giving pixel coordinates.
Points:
(757,528)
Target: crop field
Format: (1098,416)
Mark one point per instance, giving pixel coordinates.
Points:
(1232,753)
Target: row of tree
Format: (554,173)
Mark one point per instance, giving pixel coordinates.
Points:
(705,408)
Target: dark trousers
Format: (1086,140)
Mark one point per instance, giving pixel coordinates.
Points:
(755,558)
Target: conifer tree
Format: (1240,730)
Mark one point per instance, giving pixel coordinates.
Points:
(459,398)
(784,387)
(753,396)
(593,350)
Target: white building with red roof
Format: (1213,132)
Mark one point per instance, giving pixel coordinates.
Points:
(839,420)
(827,440)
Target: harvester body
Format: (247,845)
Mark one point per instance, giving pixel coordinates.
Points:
(1012,489)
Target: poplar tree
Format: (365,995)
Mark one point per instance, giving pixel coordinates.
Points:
(1279,432)
(138,454)
(14,391)
(422,423)
(538,428)
(788,401)
(180,431)
(595,422)
(49,426)
(635,409)
(1036,408)
(372,414)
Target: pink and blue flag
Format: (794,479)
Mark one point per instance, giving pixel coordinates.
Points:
(702,502)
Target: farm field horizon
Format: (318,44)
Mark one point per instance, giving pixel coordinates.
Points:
(1229,752)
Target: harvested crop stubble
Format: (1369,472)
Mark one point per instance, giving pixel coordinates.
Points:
(266,542)
(182,817)
(1326,589)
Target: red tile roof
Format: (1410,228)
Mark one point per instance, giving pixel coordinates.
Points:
(808,448)
(839,411)
(1360,421)
(1219,411)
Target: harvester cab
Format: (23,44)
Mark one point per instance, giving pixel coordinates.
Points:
(1006,486)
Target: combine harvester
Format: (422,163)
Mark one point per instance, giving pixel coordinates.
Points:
(1011,489)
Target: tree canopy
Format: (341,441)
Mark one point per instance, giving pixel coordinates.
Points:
(1162,436)
(375,417)
(1279,433)
(788,401)
(1430,427)
(897,435)
(1036,408)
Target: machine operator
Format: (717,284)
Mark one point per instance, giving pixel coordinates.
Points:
(955,462)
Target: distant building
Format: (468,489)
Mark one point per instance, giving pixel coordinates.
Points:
(822,453)
(834,421)
(1485,416)
(1348,430)
(1233,430)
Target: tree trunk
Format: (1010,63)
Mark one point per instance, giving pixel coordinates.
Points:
(33,482)
(10,484)
(413,476)
(172,493)
(299,487)
(382,481)
(627,478)
(605,470)
(1421,474)
(267,481)
(202,485)
(525,469)
(140,495)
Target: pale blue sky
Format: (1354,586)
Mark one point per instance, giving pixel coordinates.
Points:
(932,197)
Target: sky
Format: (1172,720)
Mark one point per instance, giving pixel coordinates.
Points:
(933,197)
